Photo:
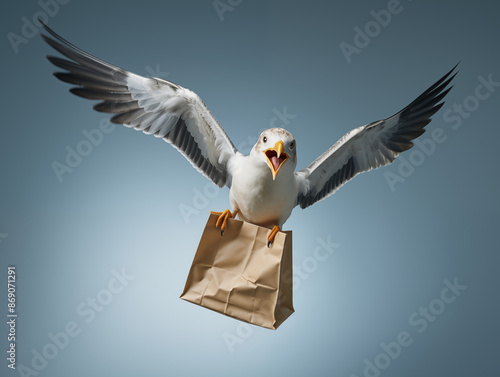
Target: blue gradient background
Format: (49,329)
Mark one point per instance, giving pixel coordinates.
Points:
(120,207)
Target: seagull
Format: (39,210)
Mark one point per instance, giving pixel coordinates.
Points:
(263,186)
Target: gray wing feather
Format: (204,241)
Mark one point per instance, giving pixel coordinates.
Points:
(151,105)
(371,146)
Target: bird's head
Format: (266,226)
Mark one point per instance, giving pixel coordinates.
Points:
(276,147)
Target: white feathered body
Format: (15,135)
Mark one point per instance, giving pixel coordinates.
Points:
(256,196)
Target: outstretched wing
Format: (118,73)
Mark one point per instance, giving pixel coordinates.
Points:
(371,146)
(151,105)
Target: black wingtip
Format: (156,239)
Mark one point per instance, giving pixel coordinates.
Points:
(452,70)
(47,29)
(46,38)
(444,81)
(44,25)
(450,75)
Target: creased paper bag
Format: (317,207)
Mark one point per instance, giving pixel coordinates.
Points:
(238,275)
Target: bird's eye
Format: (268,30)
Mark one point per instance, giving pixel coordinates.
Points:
(264,139)
(292,145)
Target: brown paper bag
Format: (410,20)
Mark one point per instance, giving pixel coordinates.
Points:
(238,275)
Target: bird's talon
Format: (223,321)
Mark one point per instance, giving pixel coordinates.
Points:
(272,235)
(222,220)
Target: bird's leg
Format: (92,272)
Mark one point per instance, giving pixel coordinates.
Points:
(222,220)
(272,235)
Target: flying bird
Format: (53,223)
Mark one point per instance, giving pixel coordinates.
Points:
(264,187)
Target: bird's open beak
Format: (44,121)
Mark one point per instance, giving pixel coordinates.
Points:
(276,157)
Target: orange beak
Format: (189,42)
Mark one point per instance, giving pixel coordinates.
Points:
(276,157)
